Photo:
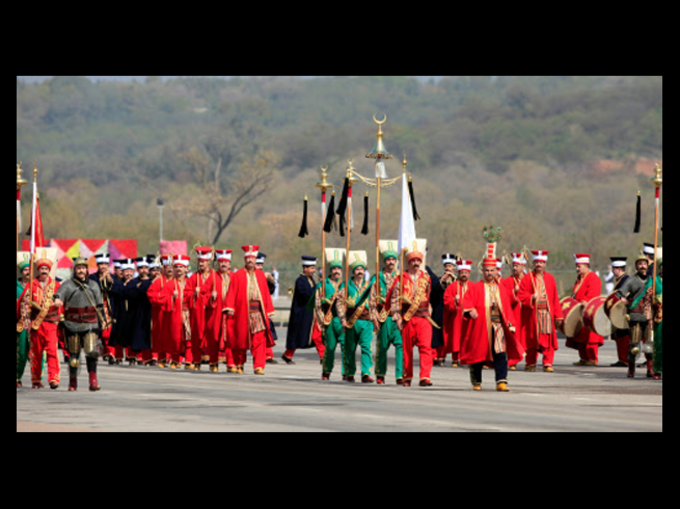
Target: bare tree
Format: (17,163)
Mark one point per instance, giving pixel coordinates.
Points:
(224,195)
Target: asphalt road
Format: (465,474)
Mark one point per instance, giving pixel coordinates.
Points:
(293,398)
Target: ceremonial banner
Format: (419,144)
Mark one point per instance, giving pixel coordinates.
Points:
(407,227)
(173,247)
(67,249)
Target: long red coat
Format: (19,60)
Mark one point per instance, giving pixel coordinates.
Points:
(529,325)
(590,288)
(222,287)
(175,322)
(477,344)
(158,298)
(204,311)
(455,324)
(238,329)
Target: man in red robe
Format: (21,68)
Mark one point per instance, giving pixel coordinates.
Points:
(223,257)
(541,313)
(200,296)
(249,302)
(412,317)
(490,339)
(159,297)
(455,323)
(521,313)
(44,321)
(587,286)
(176,320)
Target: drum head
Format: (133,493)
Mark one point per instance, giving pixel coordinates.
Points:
(595,318)
(573,316)
(616,311)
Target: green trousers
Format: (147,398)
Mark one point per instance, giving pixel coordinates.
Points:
(22,353)
(389,335)
(333,335)
(362,335)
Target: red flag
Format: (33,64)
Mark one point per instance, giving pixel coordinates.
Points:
(38,239)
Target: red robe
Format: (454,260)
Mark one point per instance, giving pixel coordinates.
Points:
(529,325)
(238,329)
(175,321)
(204,311)
(455,324)
(158,298)
(477,345)
(584,290)
(223,283)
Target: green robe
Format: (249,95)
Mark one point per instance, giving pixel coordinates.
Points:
(334,334)
(388,335)
(22,342)
(361,334)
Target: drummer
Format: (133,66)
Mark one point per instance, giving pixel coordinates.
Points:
(629,291)
(620,336)
(586,287)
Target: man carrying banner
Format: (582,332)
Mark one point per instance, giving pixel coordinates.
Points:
(325,296)
(354,315)
(387,331)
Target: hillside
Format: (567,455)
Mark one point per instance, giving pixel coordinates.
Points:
(556,161)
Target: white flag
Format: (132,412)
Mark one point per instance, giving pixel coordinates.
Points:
(407,228)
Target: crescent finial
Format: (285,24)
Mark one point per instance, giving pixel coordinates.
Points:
(382,121)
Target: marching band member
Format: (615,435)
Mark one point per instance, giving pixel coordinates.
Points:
(249,302)
(540,313)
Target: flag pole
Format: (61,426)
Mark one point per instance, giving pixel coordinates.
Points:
(351,179)
(657,181)
(20,183)
(32,246)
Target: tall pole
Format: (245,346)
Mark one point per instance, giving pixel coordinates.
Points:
(20,183)
(323,185)
(657,181)
(351,179)
(160,204)
(379,153)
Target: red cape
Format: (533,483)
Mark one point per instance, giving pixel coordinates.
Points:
(238,329)
(477,344)
(529,318)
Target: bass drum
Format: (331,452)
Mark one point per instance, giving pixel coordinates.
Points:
(616,311)
(572,310)
(595,318)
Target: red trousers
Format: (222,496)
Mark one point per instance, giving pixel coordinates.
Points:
(44,340)
(418,333)
(588,351)
(317,339)
(210,345)
(258,348)
(622,346)
(548,352)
